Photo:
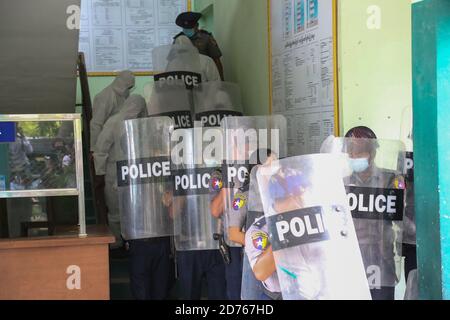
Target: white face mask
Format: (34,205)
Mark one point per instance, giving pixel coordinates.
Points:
(359,165)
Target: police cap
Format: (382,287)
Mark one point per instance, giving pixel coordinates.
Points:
(188,20)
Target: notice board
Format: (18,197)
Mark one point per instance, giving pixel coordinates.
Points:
(117,35)
(303,70)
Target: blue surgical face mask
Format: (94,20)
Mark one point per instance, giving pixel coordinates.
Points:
(189,32)
(359,165)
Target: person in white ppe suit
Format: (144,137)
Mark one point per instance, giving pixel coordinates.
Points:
(109,101)
(179,57)
(208,68)
(105,159)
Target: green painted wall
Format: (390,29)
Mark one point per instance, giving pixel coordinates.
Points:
(375,65)
(240,28)
(200,5)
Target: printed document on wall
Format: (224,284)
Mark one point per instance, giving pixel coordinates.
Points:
(120,34)
(303,71)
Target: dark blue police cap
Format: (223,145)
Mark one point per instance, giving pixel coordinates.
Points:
(188,20)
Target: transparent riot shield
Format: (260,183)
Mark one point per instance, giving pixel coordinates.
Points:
(144,177)
(216,100)
(171,100)
(177,62)
(409,221)
(252,288)
(195,228)
(311,230)
(412,286)
(244,139)
(255,208)
(375,186)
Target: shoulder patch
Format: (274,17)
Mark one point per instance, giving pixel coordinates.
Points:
(260,240)
(239,201)
(216,183)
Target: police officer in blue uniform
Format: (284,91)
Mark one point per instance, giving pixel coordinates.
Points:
(202,40)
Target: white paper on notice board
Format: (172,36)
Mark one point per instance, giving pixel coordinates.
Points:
(303,71)
(121,34)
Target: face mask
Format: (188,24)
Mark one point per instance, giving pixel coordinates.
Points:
(189,32)
(359,165)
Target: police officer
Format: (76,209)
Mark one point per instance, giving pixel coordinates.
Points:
(259,251)
(309,260)
(219,197)
(144,220)
(376,238)
(203,40)
(260,255)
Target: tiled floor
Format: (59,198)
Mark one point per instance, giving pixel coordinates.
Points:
(120,283)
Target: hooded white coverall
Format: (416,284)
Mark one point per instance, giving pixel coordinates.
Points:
(105,158)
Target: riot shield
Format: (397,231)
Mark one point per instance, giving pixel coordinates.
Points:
(409,222)
(412,286)
(216,100)
(144,177)
(177,62)
(311,230)
(195,227)
(171,100)
(375,186)
(255,208)
(245,142)
(252,288)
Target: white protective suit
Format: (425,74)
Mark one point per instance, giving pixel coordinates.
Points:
(181,56)
(109,101)
(105,158)
(208,68)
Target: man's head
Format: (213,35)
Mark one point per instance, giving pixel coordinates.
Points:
(189,22)
(124,83)
(361,146)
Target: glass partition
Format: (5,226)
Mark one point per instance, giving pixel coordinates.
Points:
(40,156)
